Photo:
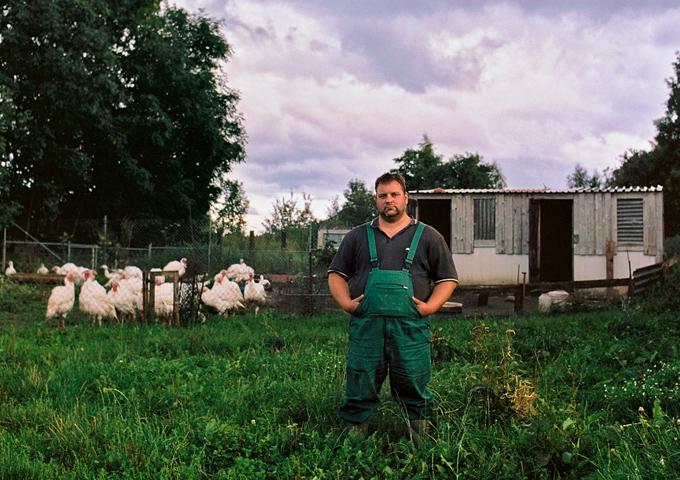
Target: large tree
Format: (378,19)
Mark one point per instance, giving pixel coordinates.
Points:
(423,169)
(661,164)
(118,108)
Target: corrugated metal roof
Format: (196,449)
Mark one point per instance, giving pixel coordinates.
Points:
(542,191)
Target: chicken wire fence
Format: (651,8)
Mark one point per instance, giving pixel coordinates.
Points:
(291,259)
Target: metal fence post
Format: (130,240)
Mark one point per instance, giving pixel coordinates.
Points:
(4,247)
(68,251)
(149,254)
(310,287)
(209,242)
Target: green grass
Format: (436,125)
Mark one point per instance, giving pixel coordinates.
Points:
(256,397)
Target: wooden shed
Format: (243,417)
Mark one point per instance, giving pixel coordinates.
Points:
(553,235)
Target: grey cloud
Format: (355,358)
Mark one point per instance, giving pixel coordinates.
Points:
(380,9)
(389,55)
(521,172)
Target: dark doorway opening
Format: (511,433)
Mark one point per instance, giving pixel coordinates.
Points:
(437,214)
(551,252)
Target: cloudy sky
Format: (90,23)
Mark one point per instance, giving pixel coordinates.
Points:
(335,90)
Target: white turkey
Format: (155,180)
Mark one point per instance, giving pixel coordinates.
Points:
(113,276)
(61,300)
(10,270)
(93,300)
(154,278)
(221,300)
(69,267)
(132,272)
(134,286)
(179,266)
(255,292)
(124,301)
(240,272)
(163,300)
(42,270)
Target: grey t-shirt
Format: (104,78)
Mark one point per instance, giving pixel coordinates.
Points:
(432,263)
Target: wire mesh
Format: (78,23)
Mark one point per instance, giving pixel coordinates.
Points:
(293,268)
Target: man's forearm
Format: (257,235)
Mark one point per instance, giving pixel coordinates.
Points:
(441,293)
(339,289)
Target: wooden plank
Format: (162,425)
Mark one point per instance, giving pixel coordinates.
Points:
(600,225)
(500,224)
(609,260)
(37,278)
(547,286)
(534,218)
(649,268)
(516,227)
(456,224)
(507,225)
(524,217)
(469,224)
(649,224)
(660,228)
(609,221)
(580,225)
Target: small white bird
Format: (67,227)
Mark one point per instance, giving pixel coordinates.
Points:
(10,270)
(255,292)
(61,300)
(42,270)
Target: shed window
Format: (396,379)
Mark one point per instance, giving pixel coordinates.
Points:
(485,218)
(629,225)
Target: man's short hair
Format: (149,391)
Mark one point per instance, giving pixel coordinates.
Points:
(392,176)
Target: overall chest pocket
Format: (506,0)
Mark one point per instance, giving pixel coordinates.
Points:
(390,295)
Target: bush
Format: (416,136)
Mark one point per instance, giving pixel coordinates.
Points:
(671,247)
(14,295)
(665,296)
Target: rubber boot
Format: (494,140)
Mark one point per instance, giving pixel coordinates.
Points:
(418,429)
(358,430)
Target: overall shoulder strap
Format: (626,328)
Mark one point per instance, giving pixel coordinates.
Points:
(371,245)
(414,246)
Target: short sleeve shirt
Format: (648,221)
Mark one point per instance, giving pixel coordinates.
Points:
(433,262)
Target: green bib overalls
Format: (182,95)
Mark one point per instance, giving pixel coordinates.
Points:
(388,335)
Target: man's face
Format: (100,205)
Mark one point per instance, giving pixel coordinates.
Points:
(391,200)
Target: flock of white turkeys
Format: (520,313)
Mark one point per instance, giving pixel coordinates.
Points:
(233,288)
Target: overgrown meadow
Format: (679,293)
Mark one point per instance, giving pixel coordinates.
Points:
(570,395)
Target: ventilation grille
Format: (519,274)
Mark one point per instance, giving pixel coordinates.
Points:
(629,220)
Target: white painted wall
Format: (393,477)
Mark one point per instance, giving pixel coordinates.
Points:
(484,267)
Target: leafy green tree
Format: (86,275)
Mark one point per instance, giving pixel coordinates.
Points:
(359,205)
(421,167)
(580,178)
(660,165)
(123,111)
(287,215)
(230,209)
(424,169)
(470,171)
(8,207)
